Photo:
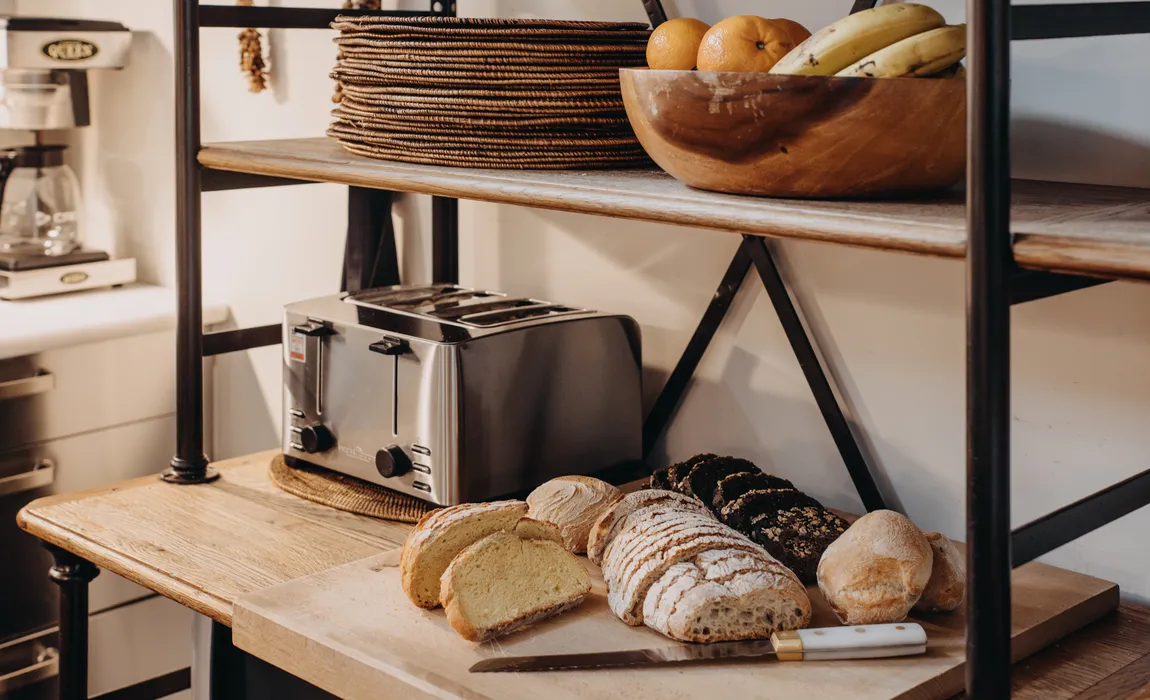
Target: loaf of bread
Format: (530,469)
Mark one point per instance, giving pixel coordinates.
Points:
(877,570)
(946,588)
(442,534)
(573,503)
(726,595)
(731,488)
(609,523)
(503,583)
(651,540)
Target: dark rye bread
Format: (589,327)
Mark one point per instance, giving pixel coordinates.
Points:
(798,536)
(731,488)
(660,480)
(677,472)
(703,479)
(759,503)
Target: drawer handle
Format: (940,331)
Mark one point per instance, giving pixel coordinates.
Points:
(43,474)
(38,383)
(46,666)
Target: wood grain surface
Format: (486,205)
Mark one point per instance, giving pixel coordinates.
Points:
(807,136)
(352,632)
(1100,231)
(204,546)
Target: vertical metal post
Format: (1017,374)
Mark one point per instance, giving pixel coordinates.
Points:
(72,574)
(226,667)
(444,240)
(989,262)
(189,466)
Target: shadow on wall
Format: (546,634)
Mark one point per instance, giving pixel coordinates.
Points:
(238,400)
(1051,150)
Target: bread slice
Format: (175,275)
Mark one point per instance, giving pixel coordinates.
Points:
(731,488)
(503,583)
(532,529)
(726,595)
(703,479)
(660,480)
(677,472)
(573,503)
(608,524)
(442,534)
(798,536)
(761,502)
(649,528)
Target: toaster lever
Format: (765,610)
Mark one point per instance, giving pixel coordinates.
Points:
(313,330)
(390,346)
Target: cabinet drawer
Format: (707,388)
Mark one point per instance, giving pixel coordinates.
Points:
(87,387)
(75,463)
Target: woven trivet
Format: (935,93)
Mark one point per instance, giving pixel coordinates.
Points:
(519,142)
(482,68)
(502,124)
(385,124)
(368,21)
(612,95)
(347,493)
(449,103)
(514,34)
(494,47)
(520,60)
(369,73)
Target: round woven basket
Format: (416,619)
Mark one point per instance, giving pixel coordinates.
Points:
(346,493)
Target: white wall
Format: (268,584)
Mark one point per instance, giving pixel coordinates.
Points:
(893,326)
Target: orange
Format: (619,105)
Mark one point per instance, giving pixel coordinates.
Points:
(797,32)
(675,44)
(746,44)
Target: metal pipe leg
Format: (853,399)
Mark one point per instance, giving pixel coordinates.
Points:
(72,574)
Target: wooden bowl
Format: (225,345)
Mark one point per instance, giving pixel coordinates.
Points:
(800,136)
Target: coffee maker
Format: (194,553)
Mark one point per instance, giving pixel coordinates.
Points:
(44,66)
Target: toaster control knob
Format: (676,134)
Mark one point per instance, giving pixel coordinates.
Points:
(316,438)
(392,462)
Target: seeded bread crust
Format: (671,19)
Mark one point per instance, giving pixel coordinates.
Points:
(798,537)
(763,502)
(441,535)
(608,524)
(677,472)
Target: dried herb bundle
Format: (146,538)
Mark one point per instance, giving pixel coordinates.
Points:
(252,56)
(353,5)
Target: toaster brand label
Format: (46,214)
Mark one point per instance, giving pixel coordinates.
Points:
(297,349)
(69,50)
(357,453)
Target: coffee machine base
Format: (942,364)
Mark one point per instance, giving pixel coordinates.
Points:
(67,275)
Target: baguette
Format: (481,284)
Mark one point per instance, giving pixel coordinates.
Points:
(607,526)
(573,503)
(877,570)
(503,583)
(442,534)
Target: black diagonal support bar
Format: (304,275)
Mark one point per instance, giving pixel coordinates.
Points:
(224,180)
(1080,20)
(655,12)
(1065,525)
(224,342)
(815,371)
(1031,285)
(861,5)
(153,688)
(989,266)
(675,388)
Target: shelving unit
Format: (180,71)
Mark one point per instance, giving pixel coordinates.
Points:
(1021,241)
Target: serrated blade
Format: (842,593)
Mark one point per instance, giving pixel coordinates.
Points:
(636,657)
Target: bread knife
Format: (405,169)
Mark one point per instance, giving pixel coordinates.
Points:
(827,644)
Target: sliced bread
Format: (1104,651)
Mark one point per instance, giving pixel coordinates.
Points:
(441,535)
(573,503)
(660,480)
(798,536)
(731,488)
(725,595)
(760,502)
(703,479)
(532,529)
(503,583)
(677,472)
(608,524)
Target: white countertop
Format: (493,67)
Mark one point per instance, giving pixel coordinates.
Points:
(35,325)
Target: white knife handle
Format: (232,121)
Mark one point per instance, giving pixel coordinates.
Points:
(900,639)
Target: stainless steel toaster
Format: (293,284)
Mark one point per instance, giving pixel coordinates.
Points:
(455,395)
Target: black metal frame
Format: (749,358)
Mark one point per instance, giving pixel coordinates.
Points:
(994,285)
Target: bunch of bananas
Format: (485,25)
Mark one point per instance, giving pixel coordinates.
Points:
(889,41)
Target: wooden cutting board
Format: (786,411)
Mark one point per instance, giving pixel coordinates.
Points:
(351,631)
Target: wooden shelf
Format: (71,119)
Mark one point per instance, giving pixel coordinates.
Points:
(1079,229)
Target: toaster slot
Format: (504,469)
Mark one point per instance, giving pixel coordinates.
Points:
(521,313)
(483,307)
(397,298)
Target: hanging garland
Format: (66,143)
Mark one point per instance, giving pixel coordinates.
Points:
(252,56)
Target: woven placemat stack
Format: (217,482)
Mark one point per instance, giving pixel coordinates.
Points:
(489,93)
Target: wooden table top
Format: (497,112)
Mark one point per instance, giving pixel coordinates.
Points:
(205,546)
(1101,231)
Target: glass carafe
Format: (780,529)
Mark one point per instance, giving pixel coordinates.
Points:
(39,202)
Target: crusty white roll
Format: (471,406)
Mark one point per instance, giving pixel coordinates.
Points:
(877,570)
(573,504)
(946,588)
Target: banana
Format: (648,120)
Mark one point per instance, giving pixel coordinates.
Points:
(922,54)
(857,36)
